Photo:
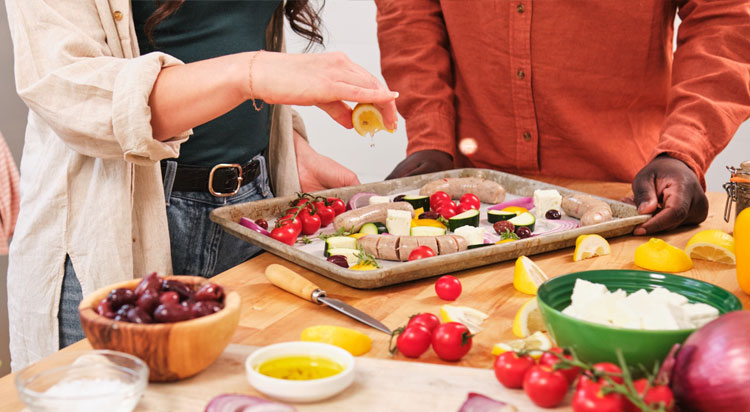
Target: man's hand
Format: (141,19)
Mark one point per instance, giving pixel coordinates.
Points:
(425,161)
(318,172)
(671,187)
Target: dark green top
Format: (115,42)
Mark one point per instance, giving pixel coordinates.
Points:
(203,29)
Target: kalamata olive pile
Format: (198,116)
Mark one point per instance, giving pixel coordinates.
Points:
(504,226)
(158,300)
(552,214)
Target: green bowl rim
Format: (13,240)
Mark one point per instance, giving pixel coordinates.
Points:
(540,302)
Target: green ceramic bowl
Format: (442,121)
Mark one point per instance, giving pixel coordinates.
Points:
(593,342)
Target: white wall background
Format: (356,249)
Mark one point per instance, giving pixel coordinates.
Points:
(350,28)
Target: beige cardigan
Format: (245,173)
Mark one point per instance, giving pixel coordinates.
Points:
(91,186)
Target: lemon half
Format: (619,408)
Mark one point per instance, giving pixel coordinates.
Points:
(528,320)
(659,255)
(527,276)
(469,317)
(713,245)
(367,119)
(588,246)
(354,342)
(535,345)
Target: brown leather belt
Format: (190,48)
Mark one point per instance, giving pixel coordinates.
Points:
(224,179)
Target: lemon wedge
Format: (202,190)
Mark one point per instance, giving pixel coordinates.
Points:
(659,255)
(588,246)
(354,342)
(367,119)
(713,245)
(470,317)
(535,345)
(528,320)
(527,276)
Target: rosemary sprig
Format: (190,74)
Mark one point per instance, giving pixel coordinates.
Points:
(507,234)
(341,232)
(366,259)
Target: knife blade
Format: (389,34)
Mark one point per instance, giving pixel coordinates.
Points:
(295,284)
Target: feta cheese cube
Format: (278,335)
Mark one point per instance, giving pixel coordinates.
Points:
(375,200)
(699,313)
(585,291)
(545,200)
(398,222)
(473,235)
(665,296)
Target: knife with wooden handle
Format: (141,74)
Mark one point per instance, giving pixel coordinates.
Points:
(295,284)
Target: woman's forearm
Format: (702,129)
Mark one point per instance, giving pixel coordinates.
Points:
(189,95)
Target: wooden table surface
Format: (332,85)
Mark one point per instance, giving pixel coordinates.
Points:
(270,315)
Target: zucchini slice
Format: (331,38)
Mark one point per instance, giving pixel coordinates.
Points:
(381,227)
(478,245)
(499,215)
(349,254)
(467,218)
(525,219)
(369,229)
(339,242)
(427,231)
(419,201)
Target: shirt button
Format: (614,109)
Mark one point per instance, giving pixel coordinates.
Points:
(117,15)
(520,8)
(520,74)
(526,136)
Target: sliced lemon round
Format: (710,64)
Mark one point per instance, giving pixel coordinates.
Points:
(712,244)
(367,119)
(354,342)
(470,317)
(534,345)
(659,255)
(528,320)
(527,276)
(588,246)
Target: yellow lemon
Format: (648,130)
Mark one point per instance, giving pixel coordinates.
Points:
(588,246)
(527,276)
(469,317)
(515,209)
(712,244)
(659,255)
(534,345)
(355,342)
(367,119)
(528,320)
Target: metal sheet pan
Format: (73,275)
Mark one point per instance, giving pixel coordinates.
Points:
(626,218)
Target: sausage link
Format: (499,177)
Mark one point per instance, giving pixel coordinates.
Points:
(588,209)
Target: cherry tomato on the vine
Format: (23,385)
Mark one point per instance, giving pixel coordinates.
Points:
(285,234)
(657,394)
(463,207)
(511,367)
(471,199)
(607,367)
(451,341)
(426,319)
(414,341)
(421,252)
(550,360)
(290,220)
(326,213)
(544,386)
(591,398)
(448,287)
(437,198)
(447,209)
(337,204)
(310,222)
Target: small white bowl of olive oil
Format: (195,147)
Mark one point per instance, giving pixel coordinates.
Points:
(300,371)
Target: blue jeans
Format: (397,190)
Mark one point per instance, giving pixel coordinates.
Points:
(199,246)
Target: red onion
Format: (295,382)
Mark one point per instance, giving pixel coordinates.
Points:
(524,202)
(480,403)
(253,226)
(711,370)
(245,403)
(361,199)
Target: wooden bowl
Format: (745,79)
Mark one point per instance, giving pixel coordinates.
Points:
(172,351)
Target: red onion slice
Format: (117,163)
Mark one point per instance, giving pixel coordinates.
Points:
(253,226)
(479,403)
(524,202)
(245,403)
(361,199)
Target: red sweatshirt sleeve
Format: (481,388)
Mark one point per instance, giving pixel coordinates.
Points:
(710,94)
(415,61)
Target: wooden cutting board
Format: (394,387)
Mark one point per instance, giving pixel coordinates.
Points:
(380,385)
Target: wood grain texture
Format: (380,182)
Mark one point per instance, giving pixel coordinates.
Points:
(271,315)
(172,351)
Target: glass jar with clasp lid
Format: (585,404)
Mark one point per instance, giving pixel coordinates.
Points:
(738,189)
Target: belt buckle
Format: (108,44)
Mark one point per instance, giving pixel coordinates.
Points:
(225,166)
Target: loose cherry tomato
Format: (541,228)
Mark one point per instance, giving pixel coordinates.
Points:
(437,198)
(290,220)
(447,209)
(414,341)
(656,395)
(451,341)
(448,287)
(511,367)
(550,360)
(471,199)
(337,204)
(607,367)
(544,386)
(428,320)
(285,234)
(325,212)
(590,398)
(463,207)
(421,252)
(310,222)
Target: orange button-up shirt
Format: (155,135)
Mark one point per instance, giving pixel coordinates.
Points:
(576,88)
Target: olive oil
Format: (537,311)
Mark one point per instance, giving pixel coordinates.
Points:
(300,368)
